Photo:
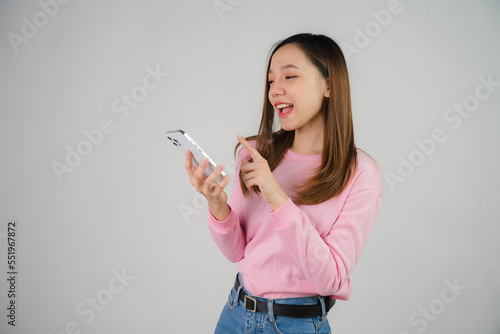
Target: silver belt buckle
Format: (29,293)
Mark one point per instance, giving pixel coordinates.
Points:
(254,303)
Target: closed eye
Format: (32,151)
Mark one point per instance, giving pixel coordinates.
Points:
(286,77)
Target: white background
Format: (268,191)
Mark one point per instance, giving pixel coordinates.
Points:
(127,205)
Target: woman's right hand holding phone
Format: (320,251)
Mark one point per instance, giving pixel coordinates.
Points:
(213,192)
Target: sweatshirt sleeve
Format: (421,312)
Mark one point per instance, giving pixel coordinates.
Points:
(229,234)
(327,261)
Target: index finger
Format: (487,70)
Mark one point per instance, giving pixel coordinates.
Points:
(252,150)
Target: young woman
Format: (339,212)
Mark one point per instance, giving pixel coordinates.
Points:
(305,201)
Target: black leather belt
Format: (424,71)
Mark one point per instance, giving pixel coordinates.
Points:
(294,311)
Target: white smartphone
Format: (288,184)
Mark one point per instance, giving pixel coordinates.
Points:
(182,141)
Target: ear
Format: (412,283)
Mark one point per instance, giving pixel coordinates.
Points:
(327,88)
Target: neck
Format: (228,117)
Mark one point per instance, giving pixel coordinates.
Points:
(308,141)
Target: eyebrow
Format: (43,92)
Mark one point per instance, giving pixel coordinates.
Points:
(284,67)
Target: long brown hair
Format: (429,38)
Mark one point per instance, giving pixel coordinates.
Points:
(339,156)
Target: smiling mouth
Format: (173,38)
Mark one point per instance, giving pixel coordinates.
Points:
(284,109)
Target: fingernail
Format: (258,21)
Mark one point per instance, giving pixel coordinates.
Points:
(220,167)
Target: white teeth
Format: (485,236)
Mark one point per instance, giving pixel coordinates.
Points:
(283,105)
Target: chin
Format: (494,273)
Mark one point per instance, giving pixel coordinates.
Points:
(287,127)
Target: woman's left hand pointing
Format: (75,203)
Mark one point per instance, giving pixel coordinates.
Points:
(258,173)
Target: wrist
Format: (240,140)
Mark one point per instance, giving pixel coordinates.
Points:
(220,212)
(279,201)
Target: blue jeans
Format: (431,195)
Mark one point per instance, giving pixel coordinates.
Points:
(235,319)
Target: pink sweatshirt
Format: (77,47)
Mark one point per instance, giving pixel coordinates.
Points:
(299,250)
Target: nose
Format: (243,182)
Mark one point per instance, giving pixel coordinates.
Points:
(276,89)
